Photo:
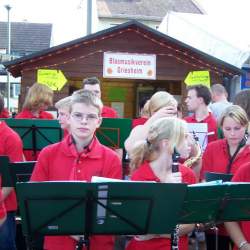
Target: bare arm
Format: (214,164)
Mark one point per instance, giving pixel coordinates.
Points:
(6,191)
(234,231)
(140,132)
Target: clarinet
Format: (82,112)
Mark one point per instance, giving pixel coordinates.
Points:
(175,168)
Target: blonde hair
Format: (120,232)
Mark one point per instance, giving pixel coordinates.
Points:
(145,110)
(159,100)
(171,128)
(88,98)
(37,96)
(235,112)
(63,103)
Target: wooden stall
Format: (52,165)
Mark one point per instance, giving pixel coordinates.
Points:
(83,58)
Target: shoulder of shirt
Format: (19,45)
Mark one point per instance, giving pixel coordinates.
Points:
(216,143)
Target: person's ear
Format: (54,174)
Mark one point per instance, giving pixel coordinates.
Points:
(99,122)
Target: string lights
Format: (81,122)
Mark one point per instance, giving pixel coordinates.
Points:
(181,56)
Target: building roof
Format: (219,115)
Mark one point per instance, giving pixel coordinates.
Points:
(152,10)
(16,66)
(26,37)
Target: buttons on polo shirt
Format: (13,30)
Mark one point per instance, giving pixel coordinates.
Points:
(79,171)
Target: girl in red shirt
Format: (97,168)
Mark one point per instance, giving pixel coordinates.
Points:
(151,160)
(226,156)
(37,100)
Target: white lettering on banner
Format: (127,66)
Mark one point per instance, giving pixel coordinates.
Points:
(129,65)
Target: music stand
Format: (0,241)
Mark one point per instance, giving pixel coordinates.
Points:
(36,133)
(80,208)
(13,172)
(114,132)
(216,203)
(213,176)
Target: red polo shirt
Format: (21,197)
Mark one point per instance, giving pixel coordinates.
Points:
(108,112)
(10,145)
(211,125)
(26,114)
(145,173)
(61,162)
(5,113)
(243,175)
(216,157)
(138,121)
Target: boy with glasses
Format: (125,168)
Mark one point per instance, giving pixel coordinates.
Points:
(79,157)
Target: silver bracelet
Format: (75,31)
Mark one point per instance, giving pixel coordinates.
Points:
(242,244)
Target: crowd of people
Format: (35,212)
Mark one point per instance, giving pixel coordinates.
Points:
(155,137)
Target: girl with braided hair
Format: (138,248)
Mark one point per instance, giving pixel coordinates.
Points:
(151,160)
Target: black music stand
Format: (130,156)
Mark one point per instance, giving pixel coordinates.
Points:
(36,133)
(80,208)
(216,203)
(214,176)
(13,172)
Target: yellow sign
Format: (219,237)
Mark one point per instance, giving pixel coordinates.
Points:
(198,77)
(52,78)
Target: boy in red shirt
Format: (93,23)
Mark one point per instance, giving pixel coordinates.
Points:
(79,157)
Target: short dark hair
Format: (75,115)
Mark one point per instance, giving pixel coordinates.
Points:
(202,91)
(243,99)
(1,103)
(91,81)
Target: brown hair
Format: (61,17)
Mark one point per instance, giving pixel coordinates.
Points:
(91,81)
(37,96)
(243,99)
(202,91)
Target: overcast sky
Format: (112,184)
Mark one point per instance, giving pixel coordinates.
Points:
(230,17)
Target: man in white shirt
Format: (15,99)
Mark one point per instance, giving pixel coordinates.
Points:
(219,99)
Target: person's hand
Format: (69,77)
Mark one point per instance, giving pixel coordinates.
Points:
(165,112)
(245,247)
(173,178)
(76,237)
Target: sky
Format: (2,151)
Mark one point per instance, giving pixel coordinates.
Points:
(67,16)
(230,17)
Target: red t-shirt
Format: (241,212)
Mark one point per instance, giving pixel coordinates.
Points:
(138,121)
(10,145)
(26,114)
(145,173)
(5,113)
(61,162)
(108,112)
(243,175)
(211,125)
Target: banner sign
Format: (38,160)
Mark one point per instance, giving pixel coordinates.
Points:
(52,78)
(129,65)
(198,77)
